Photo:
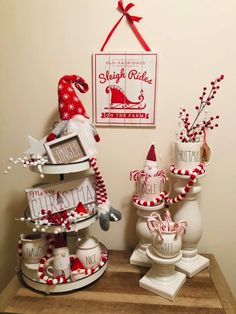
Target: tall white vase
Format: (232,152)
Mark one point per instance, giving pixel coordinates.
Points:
(191,262)
(139,256)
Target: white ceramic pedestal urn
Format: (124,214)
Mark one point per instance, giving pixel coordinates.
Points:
(139,256)
(162,278)
(187,158)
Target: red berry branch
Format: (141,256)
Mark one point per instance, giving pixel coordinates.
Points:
(192,132)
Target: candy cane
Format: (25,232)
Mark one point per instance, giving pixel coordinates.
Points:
(162,175)
(156,224)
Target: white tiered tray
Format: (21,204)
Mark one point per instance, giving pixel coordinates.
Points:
(63,168)
(30,279)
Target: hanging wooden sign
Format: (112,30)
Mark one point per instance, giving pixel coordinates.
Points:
(124,88)
(124,84)
(61,196)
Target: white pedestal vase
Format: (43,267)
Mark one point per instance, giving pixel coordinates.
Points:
(162,278)
(191,262)
(139,256)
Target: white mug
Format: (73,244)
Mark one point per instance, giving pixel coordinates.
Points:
(54,272)
(187,155)
(61,263)
(34,247)
(151,189)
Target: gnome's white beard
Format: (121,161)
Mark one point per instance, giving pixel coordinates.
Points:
(150,168)
(85,128)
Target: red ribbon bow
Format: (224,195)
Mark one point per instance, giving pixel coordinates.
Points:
(125,10)
(131,19)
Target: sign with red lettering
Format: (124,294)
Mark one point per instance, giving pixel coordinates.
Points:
(125,88)
(61,196)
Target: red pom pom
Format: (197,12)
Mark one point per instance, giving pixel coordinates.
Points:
(41,276)
(97,138)
(190,183)
(42,261)
(49,281)
(179,171)
(186,189)
(187,172)
(41,269)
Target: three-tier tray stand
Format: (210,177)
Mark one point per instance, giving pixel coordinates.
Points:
(29,272)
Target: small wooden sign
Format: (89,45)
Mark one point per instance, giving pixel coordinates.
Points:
(205,153)
(61,196)
(66,149)
(125,88)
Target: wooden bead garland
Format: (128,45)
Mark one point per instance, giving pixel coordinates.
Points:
(200,169)
(154,202)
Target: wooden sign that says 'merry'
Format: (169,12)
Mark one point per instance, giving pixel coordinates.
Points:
(61,196)
(124,89)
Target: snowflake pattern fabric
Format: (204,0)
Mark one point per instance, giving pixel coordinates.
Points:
(68,103)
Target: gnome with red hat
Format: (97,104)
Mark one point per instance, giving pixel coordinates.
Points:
(75,119)
(149,180)
(73,114)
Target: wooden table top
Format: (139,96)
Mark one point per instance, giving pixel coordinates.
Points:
(117,291)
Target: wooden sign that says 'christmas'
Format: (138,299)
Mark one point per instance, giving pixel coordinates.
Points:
(124,88)
(61,196)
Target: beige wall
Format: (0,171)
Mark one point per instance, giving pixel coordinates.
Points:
(42,40)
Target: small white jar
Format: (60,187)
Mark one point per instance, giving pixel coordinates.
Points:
(89,252)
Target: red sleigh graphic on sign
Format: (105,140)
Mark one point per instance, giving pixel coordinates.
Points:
(120,101)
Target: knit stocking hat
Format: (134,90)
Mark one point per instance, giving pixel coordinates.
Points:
(151,156)
(60,240)
(69,104)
